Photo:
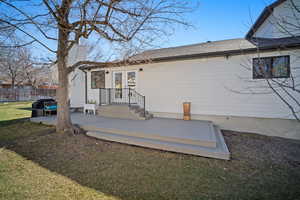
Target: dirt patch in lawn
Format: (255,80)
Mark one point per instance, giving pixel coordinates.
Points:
(261,167)
(259,148)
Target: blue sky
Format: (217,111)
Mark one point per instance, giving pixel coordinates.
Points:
(219,20)
(213,20)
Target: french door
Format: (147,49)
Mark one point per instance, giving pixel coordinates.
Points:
(122,81)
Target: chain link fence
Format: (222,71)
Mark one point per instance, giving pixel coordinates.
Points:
(23,94)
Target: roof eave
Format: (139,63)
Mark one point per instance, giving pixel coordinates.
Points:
(197,56)
(263,16)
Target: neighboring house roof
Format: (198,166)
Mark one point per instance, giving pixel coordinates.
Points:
(263,16)
(48,87)
(5,83)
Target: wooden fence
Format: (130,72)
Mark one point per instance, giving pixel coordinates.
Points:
(23,94)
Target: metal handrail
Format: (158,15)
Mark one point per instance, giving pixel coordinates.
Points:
(122,96)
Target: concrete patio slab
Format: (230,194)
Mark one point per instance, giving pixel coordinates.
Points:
(192,132)
(194,137)
(219,152)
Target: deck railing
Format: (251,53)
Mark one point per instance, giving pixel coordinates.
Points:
(127,96)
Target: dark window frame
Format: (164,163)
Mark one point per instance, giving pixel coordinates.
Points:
(94,86)
(254,76)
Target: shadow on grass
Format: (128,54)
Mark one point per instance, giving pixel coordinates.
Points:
(13,121)
(260,169)
(11,131)
(25,108)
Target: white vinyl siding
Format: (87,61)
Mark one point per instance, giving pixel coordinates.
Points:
(77,78)
(213,85)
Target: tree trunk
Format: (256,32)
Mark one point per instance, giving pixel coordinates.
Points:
(12,83)
(13,89)
(64,123)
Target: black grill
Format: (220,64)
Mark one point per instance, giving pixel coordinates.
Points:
(39,104)
(38,107)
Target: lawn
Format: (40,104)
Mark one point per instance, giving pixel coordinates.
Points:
(15,110)
(37,163)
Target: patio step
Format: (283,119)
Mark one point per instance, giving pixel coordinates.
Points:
(122,112)
(141,112)
(220,151)
(204,137)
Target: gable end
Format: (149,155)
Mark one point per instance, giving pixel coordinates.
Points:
(263,16)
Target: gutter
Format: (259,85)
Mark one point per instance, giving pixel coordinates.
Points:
(226,53)
(85,84)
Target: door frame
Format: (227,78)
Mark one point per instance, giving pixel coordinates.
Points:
(124,78)
(124,93)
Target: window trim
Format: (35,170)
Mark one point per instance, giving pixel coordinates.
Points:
(92,78)
(272,60)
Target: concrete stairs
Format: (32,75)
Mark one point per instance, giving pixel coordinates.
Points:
(140,112)
(213,146)
(123,111)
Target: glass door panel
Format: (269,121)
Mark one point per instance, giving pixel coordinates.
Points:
(131,80)
(131,83)
(118,85)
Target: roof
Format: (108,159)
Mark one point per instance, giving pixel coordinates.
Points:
(200,48)
(9,83)
(218,48)
(286,42)
(48,86)
(263,16)
(207,49)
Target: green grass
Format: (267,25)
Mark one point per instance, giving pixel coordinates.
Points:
(16,110)
(21,178)
(37,163)
(24,179)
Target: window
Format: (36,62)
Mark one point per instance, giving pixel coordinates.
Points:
(271,67)
(98,79)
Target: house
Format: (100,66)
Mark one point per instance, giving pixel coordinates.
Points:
(27,86)
(7,84)
(220,78)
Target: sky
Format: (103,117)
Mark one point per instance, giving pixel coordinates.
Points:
(212,20)
(219,20)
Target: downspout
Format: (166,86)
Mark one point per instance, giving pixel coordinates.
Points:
(85,78)
(85,84)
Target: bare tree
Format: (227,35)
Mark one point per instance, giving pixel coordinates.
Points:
(12,65)
(36,73)
(66,22)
